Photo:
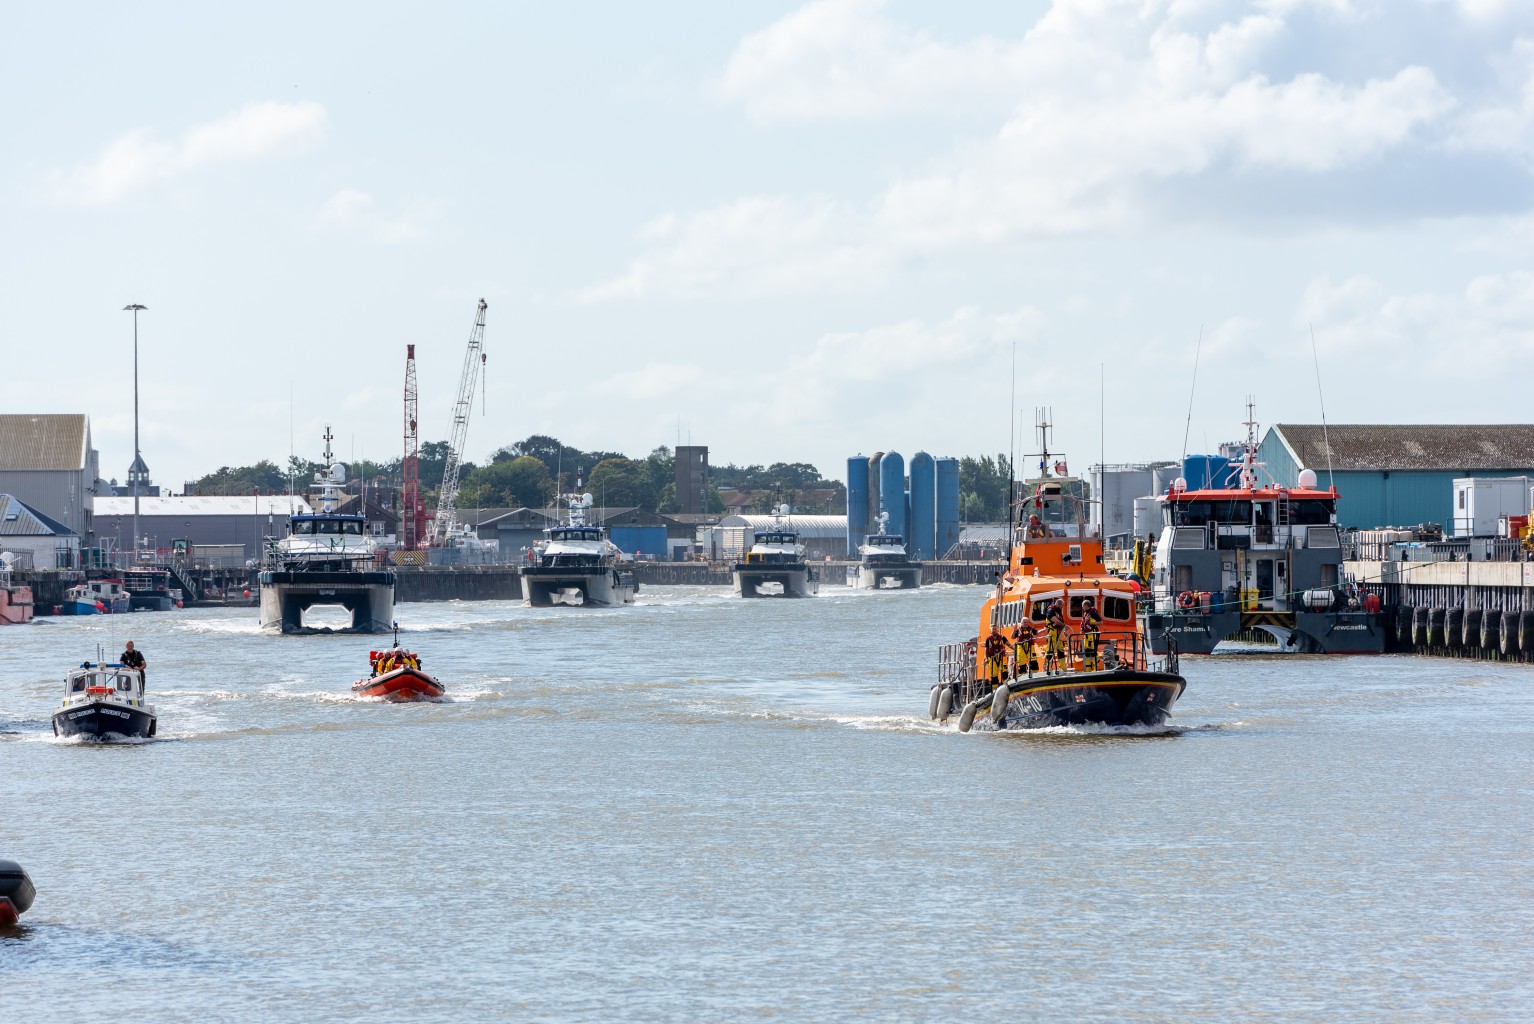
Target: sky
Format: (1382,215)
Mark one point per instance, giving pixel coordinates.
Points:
(789,231)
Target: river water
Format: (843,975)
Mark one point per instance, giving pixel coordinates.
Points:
(703,808)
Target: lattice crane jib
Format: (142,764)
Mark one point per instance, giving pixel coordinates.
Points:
(413,512)
(473,362)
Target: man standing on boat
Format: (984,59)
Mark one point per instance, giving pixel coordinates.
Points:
(1091,629)
(1024,657)
(1054,628)
(134,660)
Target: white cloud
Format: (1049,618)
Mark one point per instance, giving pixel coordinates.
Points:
(139,160)
(834,59)
(352,209)
(1505,124)
(761,245)
(1488,323)
(1119,110)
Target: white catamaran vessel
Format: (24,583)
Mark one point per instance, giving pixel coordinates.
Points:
(577,565)
(326,559)
(775,565)
(885,563)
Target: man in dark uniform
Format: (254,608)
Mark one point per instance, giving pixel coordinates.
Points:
(133,659)
(1091,630)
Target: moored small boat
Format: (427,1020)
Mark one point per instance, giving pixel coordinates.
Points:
(15,601)
(397,677)
(104,701)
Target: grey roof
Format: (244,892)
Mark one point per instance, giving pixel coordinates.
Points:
(1472,447)
(18,519)
(44,441)
(806,526)
(202,505)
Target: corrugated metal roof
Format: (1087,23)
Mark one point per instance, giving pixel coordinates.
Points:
(204,505)
(804,526)
(18,519)
(47,441)
(1479,446)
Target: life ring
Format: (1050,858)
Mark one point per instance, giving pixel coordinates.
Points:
(1187,599)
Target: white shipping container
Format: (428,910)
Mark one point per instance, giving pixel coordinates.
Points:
(1480,501)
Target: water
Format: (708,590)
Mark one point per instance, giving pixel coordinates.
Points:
(702,808)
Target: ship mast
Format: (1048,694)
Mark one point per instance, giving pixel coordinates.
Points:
(1248,463)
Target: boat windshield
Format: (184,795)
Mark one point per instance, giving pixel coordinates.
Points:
(1052,511)
(1312,511)
(566,533)
(327,527)
(777,538)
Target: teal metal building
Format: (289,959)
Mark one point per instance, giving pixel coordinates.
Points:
(1395,475)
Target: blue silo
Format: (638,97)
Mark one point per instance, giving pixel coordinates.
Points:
(947,506)
(923,520)
(1204,471)
(873,491)
(857,503)
(892,490)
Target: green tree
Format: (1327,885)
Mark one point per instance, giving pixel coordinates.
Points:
(983,488)
(521,481)
(264,477)
(617,481)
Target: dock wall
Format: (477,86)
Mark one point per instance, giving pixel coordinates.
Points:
(668,574)
(1455,609)
(457,583)
(48,586)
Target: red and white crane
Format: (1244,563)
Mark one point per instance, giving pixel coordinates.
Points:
(446,521)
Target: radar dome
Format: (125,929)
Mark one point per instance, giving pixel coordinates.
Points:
(1307,478)
(1180,484)
(586,499)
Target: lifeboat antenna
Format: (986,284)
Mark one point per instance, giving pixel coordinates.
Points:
(1011,460)
(1192,387)
(1325,440)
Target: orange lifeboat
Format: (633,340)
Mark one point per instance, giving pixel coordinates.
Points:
(397,677)
(1058,642)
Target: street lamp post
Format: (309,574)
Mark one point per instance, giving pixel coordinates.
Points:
(135,307)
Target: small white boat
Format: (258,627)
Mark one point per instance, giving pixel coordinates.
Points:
(105,701)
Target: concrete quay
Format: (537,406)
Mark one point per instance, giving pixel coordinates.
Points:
(1455,609)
